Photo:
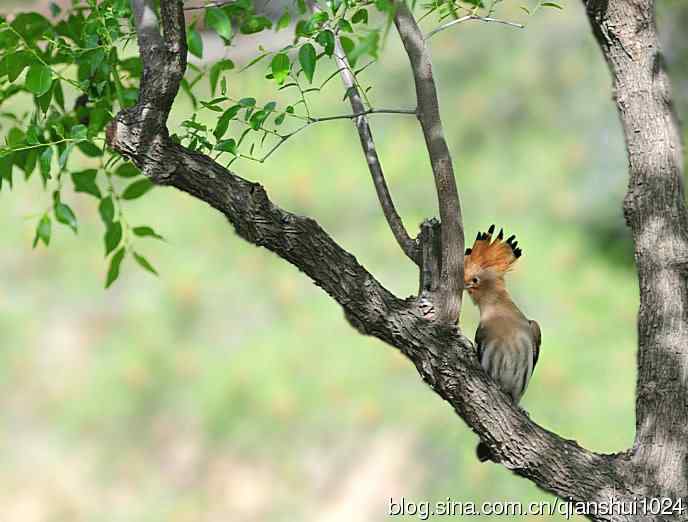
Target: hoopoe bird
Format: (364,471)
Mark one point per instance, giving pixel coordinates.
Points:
(508,343)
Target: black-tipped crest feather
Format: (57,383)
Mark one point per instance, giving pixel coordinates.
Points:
(498,255)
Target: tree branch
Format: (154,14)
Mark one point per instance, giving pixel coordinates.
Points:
(396,225)
(210,4)
(444,358)
(468,18)
(452,248)
(312,120)
(656,213)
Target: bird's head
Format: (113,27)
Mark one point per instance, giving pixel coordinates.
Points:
(486,262)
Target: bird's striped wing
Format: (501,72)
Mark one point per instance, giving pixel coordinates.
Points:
(480,335)
(537,338)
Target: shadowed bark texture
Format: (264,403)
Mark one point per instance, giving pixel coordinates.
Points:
(655,211)
(444,357)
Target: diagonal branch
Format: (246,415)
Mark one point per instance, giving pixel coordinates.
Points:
(452,247)
(407,244)
(443,357)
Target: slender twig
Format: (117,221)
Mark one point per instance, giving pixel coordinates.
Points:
(451,276)
(364,113)
(4,152)
(468,18)
(396,225)
(211,4)
(312,121)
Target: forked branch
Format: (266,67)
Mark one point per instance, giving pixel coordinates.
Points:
(396,225)
(452,248)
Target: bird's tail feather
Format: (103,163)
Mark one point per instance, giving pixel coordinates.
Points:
(483,452)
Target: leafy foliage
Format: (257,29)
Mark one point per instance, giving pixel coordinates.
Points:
(79,69)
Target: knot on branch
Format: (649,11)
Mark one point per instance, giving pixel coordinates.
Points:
(430,245)
(140,134)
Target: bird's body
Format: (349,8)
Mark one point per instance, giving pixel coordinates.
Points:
(508,343)
(508,346)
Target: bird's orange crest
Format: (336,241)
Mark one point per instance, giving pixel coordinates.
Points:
(499,255)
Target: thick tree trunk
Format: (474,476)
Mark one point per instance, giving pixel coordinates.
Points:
(655,211)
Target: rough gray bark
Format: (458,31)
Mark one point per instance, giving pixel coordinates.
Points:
(445,359)
(448,298)
(655,212)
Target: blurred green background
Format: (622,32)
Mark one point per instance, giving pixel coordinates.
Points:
(231,388)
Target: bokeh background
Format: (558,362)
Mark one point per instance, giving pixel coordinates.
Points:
(232,389)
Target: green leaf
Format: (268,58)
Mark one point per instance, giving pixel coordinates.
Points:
(216,19)
(65,215)
(247,102)
(26,160)
(115,263)
(344,25)
(334,5)
(360,17)
(15,63)
(215,70)
(32,134)
(58,94)
(45,160)
(284,20)
(194,42)
(307,59)
(137,189)
(223,121)
(551,4)
(258,118)
(255,24)
(113,236)
(348,45)
(64,155)
(227,146)
(15,137)
(97,118)
(30,25)
(106,209)
(144,263)
(85,181)
(44,100)
(78,132)
(317,20)
(89,149)
(326,39)
(6,163)
(38,79)
(147,232)
(280,67)
(127,170)
(43,231)
(368,45)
